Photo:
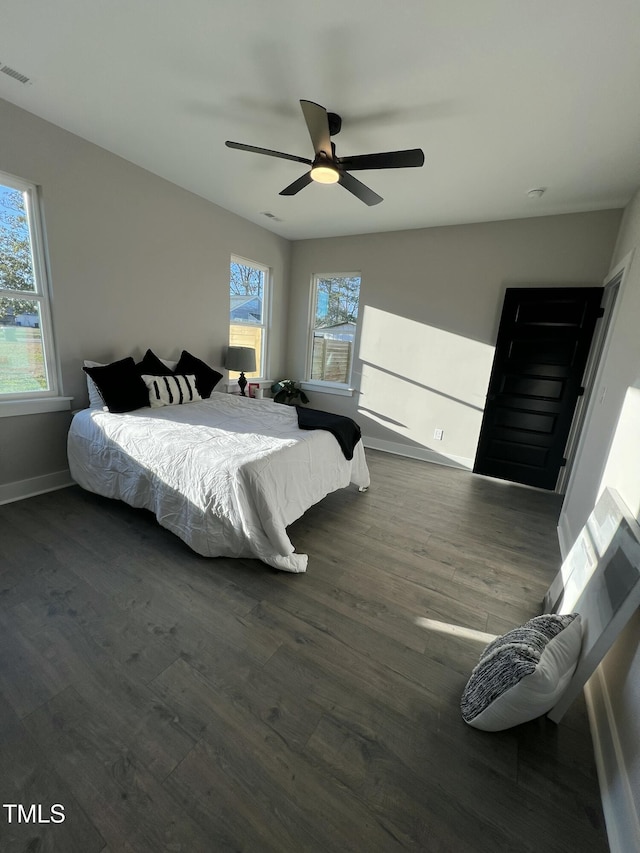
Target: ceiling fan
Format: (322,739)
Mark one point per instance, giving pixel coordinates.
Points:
(327,167)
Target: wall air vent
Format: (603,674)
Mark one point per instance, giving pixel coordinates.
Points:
(11,72)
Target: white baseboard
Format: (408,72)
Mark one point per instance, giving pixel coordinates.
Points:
(21,489)
(422,453)
(618,802)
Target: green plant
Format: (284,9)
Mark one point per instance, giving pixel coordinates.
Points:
(286,391)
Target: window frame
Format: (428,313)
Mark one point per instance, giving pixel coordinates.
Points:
(327,386)
(46,399)
(265,325)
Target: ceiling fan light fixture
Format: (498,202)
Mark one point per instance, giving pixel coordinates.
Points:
(325,175)
(326,167)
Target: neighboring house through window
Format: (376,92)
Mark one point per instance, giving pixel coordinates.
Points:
(248,313)
(335,301)
(27,358)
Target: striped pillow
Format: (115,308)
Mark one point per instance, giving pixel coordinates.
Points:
(171,390)
(523,674)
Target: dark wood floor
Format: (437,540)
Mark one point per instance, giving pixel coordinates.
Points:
(175,703)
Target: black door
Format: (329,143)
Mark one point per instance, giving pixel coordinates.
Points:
(541,353)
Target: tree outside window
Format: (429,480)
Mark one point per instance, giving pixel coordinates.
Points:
(25,333)
(248,312)
(336,299)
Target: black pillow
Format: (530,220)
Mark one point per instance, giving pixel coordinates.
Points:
(206,377)
(120,385)
(153,366)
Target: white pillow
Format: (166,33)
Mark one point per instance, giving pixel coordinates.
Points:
(522,674)
(95,398)
(171,390)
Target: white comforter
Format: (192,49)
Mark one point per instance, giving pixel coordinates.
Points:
(227,475)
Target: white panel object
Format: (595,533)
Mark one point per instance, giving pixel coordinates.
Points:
(600,579)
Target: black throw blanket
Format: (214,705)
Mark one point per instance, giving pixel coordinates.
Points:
(346,431)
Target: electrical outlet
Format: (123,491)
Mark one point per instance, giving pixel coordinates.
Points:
(437,434)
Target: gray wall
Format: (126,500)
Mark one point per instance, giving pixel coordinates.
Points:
(136,262)
(430,307)
(610,456)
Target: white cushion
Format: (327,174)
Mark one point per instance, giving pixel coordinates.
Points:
(171,390)
(523,674)
(95,399)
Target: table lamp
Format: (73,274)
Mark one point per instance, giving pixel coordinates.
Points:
(242,359)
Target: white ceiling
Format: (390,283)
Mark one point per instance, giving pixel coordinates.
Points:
(502,96)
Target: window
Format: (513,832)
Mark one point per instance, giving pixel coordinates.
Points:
(27,361)
(335,299)
(249,311)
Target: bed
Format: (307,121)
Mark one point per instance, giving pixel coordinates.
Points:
(227,474)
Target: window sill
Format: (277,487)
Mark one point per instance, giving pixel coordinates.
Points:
(328,388)
(37,406)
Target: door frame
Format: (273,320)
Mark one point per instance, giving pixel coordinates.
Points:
(618,273)
(600,341)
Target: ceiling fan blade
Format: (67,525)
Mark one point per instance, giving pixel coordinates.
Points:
(252,148)
(318,126)
(298,185)
(359,189)
(385,160)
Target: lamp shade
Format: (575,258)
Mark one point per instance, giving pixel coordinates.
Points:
(242,359)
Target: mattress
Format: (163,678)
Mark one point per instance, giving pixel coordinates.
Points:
(227,475)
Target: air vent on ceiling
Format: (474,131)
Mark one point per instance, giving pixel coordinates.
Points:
(11,72)
(270,215)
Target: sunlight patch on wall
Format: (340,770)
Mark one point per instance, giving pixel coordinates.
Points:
(417,378)
(432,357)
(623,462)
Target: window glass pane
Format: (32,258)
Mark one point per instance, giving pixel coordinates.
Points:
(16,260)
(246,287)
(337,300)
(336,314)
(22,365)
(248,310)
(246,336)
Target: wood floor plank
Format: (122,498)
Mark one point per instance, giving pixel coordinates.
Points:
(290,806)
(241,685)
(144,724)
(184,704)
(27,778)
(428,678)
(97,620)
(189,627)
(79,533)
(126,804)
(353,755)
(26,679)
(394,793)
(415,732)
(329,589)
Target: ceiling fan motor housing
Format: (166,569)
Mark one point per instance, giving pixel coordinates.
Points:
(335,123)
